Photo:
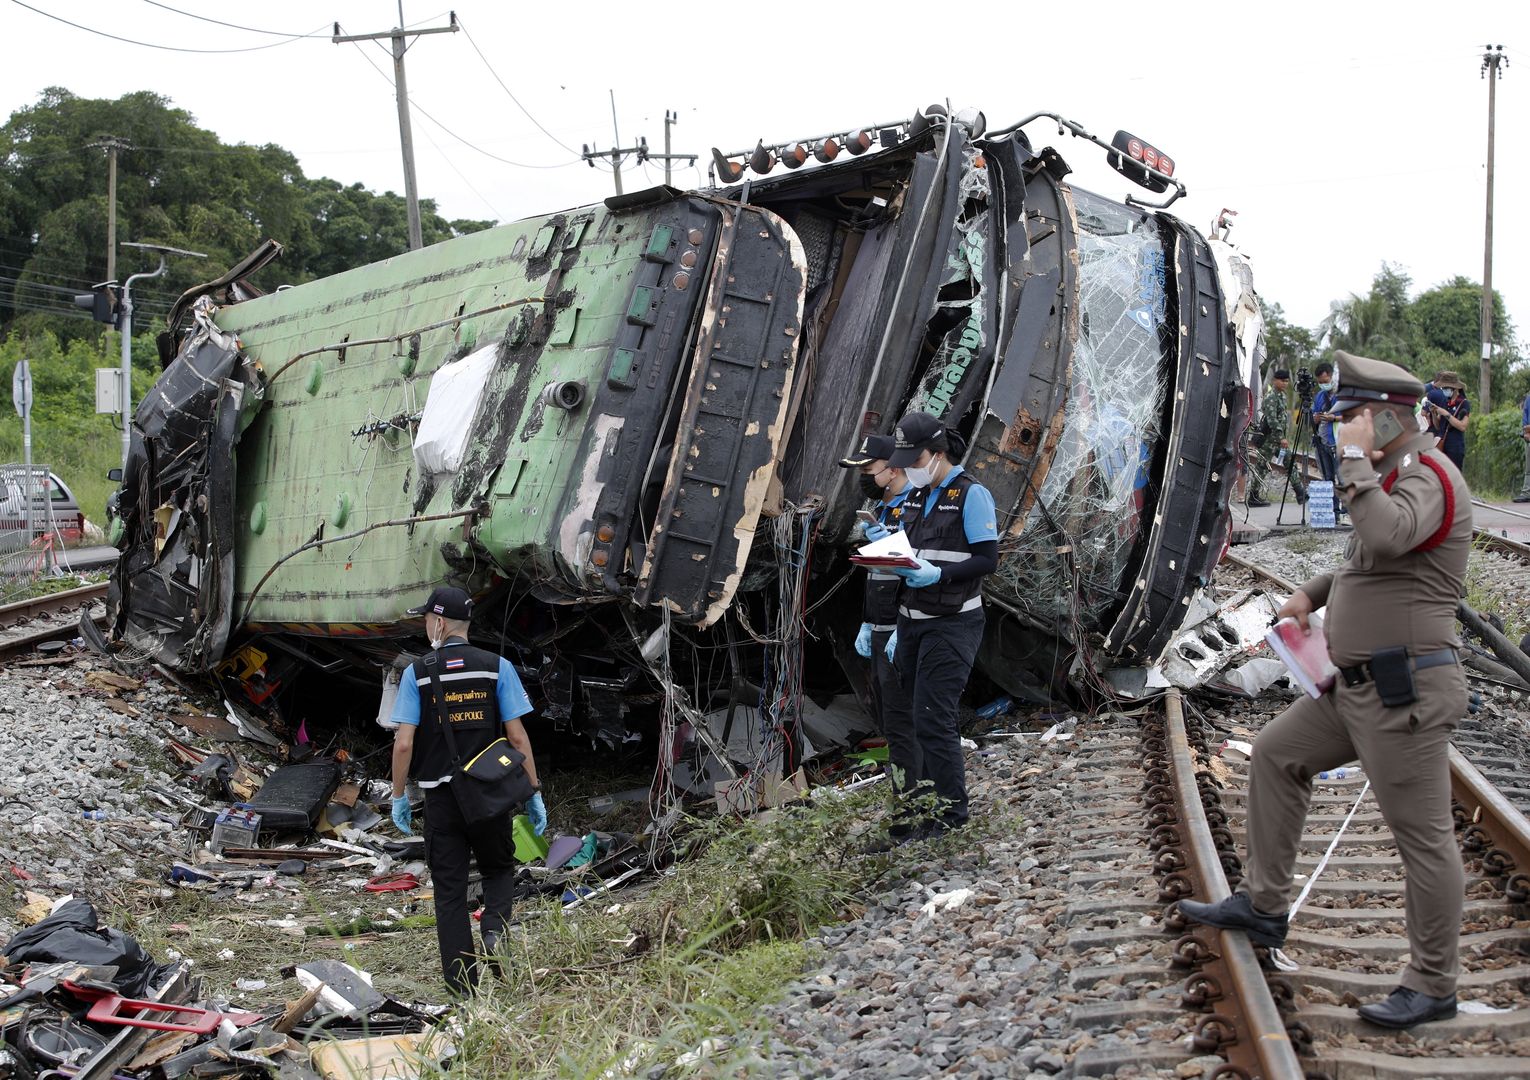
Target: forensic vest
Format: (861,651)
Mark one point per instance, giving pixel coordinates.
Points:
(940,537)
(469,689)
(880,608)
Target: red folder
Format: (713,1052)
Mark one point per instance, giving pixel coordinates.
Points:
(1305,655)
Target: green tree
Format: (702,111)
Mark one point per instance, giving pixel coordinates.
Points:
(1375,324)
(1286,344)
(1446,321)
(178,184)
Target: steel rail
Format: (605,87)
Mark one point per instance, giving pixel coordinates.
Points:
(1493,827)
(46,605)
(31,637)
(1503,544)
(1492,824)
(1254,568)
(1259,1046)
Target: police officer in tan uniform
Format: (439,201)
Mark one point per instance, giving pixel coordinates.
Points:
(1392,632)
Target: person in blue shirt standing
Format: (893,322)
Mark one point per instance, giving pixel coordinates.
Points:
(953,529)
(483,698)
(1524,431)
(1322,422)
(1323,419)
(891,706)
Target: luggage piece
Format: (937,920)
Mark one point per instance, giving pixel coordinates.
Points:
(293,797)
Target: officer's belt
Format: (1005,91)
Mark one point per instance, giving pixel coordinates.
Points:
(1360,674)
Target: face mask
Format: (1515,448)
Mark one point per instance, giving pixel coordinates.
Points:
(869,487)
(917,476)
(1449,394)
(1325,386)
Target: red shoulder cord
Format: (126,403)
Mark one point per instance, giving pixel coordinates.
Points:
(1450,502)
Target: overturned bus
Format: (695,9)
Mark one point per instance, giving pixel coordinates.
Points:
(619,427)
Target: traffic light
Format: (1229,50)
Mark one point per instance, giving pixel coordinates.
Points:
(101,302)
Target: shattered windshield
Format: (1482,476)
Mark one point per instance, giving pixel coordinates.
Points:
(1075,547)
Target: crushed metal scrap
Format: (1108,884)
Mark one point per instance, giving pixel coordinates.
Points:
(87,1001)
(618,427)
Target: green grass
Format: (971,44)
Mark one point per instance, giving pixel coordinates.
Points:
(1484,597)
(638,979)
(1303,542)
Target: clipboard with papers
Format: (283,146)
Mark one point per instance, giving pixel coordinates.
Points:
(893,550)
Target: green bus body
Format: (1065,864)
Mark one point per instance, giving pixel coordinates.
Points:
(659,380)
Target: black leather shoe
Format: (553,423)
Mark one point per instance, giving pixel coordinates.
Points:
(1237,913)
(1403,1008)
(937,827)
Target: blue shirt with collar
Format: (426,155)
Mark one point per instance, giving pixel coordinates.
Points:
(1524,417)
(980,520)
(1322,403)
(509,693)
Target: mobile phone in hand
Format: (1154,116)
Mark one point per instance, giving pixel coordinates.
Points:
(1387,428)
(867,516)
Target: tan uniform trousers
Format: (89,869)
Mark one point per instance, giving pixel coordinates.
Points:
(1403,753)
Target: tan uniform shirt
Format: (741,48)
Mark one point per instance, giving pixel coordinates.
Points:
(1386,594)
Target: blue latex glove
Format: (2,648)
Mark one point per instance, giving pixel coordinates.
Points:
(536,813)
(926,573)
(863,640)
(892,645)
(875,530)
(403,816)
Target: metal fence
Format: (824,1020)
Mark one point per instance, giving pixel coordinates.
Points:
(31,544)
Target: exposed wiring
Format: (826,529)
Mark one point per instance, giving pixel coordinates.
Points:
(166,48)
(321,541)
(394,339)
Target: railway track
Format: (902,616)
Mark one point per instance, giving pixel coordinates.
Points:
(27,624)
(1515,549)
(1347,943)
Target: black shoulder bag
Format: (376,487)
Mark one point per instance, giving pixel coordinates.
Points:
(494,782)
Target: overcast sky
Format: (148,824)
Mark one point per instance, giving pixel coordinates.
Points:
(1344,134)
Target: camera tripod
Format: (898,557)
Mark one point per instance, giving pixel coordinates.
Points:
(1299,450)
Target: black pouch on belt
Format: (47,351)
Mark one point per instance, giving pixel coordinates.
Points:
(1392,672)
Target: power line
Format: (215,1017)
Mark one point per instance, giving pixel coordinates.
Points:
(68,313)
(506,89)
(453,134)
(67,278)
(37,285)
(463,176)
(153,45)
(233,26)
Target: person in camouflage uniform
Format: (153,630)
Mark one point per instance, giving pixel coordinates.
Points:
(1274,414)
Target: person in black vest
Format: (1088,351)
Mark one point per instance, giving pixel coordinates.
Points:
(953,528)
(482,696)
(892,708)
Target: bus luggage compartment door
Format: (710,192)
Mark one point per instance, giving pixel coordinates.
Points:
(731,423)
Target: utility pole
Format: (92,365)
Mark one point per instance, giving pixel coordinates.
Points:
(670,119)
(617,151)
(1493,63)
(111,144)
(401,90)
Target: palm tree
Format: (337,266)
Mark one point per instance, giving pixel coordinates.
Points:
(1356,323)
